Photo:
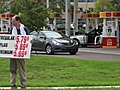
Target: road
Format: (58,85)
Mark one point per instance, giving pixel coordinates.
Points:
(91,54)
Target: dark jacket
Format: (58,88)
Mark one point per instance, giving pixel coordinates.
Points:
(26,30)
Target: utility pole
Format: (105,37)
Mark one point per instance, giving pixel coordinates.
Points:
(75,21)
(87,20)
(47,1)
(68,18)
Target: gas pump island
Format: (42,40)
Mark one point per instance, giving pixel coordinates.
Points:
(110,34)
(5,23)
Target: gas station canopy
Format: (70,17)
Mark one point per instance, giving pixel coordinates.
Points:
(109,14)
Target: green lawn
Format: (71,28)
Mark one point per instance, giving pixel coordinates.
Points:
(55,71)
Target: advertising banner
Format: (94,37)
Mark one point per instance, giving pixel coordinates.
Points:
(109,42)
(15,46)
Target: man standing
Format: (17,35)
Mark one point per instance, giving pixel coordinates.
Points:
(18,29)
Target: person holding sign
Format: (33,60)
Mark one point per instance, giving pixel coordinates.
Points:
(18,63)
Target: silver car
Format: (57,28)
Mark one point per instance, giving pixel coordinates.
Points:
(88,38)
(51,41)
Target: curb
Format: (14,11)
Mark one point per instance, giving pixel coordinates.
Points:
(7,88)
(102,51)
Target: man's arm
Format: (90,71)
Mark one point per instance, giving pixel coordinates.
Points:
(27,31)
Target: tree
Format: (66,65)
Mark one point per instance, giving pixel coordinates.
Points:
(115,4)
(3,6)
(107,5)
(33,12)
(55,6)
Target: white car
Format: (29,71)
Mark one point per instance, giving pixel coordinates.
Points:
(87,38)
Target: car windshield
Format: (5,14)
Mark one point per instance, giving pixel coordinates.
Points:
(52,35)
(34,33)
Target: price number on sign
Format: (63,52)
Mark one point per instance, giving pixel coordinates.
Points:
(22,39)
(23,46)
(19,53)
(20,46)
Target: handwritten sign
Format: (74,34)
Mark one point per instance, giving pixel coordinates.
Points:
(15,46)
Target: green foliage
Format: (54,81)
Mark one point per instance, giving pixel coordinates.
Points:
(107,5)
(3,6)
(57,6)
(32,12)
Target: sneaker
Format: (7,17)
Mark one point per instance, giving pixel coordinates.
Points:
(14,86)
(23,86)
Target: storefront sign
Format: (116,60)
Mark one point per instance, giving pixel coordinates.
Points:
(109,42)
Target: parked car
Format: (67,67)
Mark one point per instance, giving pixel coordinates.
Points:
(61,26)
(51,42)
(87,38)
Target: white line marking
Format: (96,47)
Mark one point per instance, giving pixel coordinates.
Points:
(5,88)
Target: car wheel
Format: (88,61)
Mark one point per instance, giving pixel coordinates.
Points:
(49,50)
(73,52)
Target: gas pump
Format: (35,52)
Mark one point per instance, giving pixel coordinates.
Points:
(5,23)
(110,28)
(109,31)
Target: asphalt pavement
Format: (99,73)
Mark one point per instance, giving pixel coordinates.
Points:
(90,53)
(94,54)
(98,53)
(114,51)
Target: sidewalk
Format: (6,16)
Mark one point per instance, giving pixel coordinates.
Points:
(115,51)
